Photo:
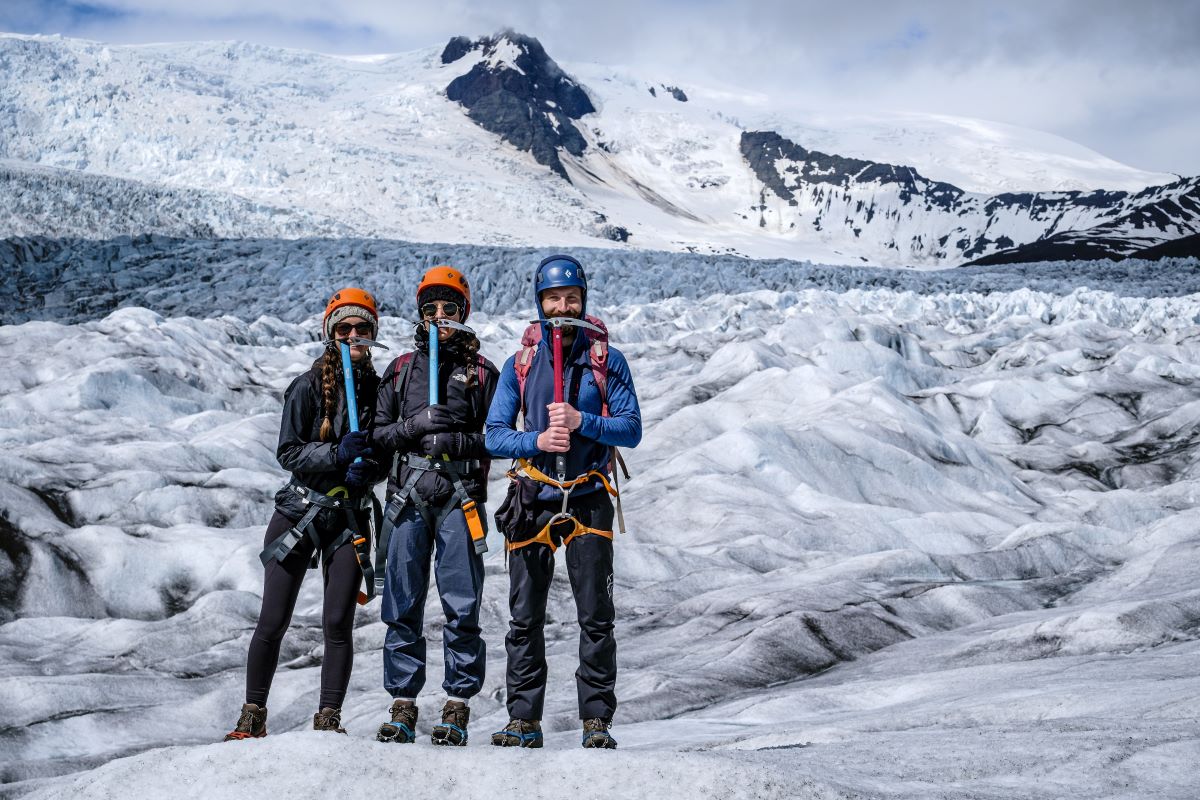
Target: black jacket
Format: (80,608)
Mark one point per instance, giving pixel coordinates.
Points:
(312,462)
(467,406)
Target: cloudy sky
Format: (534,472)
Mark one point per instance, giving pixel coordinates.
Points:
(1120,77)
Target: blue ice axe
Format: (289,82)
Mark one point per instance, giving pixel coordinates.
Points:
(469,508)
(361,543)
(434,324)
(348,374)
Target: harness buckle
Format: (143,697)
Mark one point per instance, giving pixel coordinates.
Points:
(566,499)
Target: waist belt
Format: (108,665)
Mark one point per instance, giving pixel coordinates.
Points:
(419,465)
(338,499)
(579,529)
(426,464)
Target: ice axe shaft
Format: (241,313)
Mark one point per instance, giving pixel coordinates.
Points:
(556,325)
(434,343)
(556,333)
(560,460)
(348,375)
(433,363)
(351,399)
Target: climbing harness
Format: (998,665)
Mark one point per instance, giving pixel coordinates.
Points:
(420,464)
(337,499)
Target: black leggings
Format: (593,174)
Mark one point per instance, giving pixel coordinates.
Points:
(281,587)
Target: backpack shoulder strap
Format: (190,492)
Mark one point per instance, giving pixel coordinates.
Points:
(598,360)
(523,360)
(402,366)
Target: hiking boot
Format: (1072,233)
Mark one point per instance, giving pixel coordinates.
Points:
(403,727)
(452,730)
(595,734)
(519,733)
(328,719)
(252,724)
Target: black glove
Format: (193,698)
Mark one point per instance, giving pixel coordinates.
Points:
(360,474)
(431,419)
(452,444)
(353,445)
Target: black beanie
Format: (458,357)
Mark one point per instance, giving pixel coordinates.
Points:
(443,293)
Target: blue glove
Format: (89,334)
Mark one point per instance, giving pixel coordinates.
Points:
(353,445)
(360,474)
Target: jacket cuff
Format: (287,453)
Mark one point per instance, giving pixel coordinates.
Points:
(528,445)
(589,425)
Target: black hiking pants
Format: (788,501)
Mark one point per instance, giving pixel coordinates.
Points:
(590,569)
(281,587)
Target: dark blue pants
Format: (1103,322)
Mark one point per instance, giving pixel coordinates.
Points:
(458,570)
(590,569)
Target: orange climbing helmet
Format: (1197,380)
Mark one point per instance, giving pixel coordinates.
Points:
(349,302)
(450,278)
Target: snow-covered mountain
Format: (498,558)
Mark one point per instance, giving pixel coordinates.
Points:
(494,142)
(907,543)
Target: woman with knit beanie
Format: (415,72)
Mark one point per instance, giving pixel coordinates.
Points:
(436,491)
(321,515)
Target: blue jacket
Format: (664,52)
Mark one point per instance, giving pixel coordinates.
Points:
(596,434)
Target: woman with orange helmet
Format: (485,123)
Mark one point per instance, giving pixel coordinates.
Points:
(436,493)
(321,515)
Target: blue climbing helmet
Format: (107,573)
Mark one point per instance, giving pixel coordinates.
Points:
(557,271)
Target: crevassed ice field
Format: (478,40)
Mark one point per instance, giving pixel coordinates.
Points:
(901,536)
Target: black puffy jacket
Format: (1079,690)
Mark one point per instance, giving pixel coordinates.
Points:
(312,462)
(468,407)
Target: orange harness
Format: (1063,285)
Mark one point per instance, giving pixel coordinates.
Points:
(543,536)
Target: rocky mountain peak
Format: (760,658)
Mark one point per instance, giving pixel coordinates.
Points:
(518,92)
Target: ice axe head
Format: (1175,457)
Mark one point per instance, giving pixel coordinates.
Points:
(559,322)
(449,323)
(362,341)
(355,341)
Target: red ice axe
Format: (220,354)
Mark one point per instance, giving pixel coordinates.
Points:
(556,325)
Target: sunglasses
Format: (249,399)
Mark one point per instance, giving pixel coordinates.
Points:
(449,308)
(360,328)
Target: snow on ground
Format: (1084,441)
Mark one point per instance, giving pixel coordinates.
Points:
(882,544)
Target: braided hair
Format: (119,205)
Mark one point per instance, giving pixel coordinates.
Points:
(331,382)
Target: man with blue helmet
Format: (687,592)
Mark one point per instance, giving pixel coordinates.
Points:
(571,427)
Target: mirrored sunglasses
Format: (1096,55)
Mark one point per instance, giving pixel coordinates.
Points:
(449,308)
